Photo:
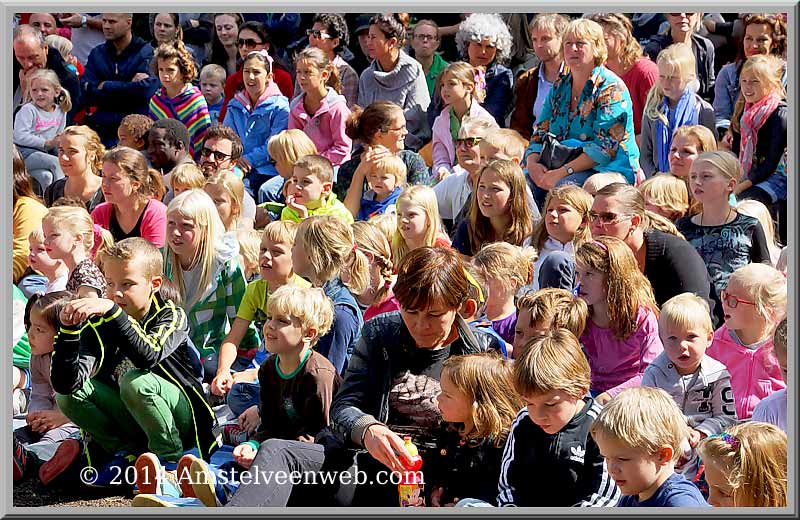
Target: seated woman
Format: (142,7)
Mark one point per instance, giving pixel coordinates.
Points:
(591,107)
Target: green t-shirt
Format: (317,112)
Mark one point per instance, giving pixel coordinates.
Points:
(22,349)
(253,307)
(437,67)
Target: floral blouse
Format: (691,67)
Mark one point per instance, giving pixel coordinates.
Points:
(602,121)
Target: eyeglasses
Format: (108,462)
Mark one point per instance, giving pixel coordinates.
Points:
(398,129)
(425,37)
(321,35)
(247,42)
(469,141)
(607,218)
(207,153)
(732,301)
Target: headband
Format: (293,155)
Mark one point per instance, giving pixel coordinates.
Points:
(600,245)
(262,53)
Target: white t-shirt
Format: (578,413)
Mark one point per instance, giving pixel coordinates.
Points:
(772,409)
(452,192)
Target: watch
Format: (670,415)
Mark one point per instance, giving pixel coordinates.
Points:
(570,170)
(83,21)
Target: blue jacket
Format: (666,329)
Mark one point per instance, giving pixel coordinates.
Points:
(256,127)
(338,344)
(119,96)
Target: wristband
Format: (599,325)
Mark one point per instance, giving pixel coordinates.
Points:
(252,444)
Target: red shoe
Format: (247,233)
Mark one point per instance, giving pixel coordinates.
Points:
(66,454)
(20,459)
(148,471)
(184,475)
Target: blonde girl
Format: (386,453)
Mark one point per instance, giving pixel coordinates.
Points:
(479,404)
(463,89)
(563,228)
(249,251)
(666,195)
(80,155)
(387,224)
(621,335)
(69,237)
(321,110)
(178,98)
(378,295)
(418,222)
(227,191)
(507,269)
(754,208)
(754,303)
(499,211)
(38,123)
(724,238)
(285,148)
(746,466)
(203,262)
(671,103)
(132,192)
(386,179)
(326,254)
(185,177)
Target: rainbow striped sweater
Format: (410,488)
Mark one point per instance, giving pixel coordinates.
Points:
(189,107)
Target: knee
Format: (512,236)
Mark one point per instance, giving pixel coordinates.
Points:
(132,385)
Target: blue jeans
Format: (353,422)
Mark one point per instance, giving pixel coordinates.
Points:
(271,190)
(578,178)
(242,396)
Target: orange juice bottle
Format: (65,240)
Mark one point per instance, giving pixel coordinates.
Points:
(411,488)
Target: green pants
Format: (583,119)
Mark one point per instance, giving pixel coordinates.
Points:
(147,406)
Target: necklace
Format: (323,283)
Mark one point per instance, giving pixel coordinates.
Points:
(705,232)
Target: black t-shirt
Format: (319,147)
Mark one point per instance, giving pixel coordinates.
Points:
(118,233)
(413,394)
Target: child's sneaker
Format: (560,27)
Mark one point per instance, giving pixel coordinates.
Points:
(184,475)
(233,434)
(164,501)
(203,483)
(20,459)
(153,478)
(112,473)
(65,456)
(20,401)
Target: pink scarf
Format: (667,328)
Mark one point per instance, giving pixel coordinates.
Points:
(753,118)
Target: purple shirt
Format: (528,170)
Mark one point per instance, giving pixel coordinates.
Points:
(505,327)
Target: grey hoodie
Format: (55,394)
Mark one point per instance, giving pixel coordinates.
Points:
(404,85)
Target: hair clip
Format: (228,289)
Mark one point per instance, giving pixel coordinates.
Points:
(355,248)
(480,79)
(471,279)
(600,245)
(264,54)
(729,439)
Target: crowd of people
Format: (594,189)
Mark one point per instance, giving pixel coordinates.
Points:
(548,248)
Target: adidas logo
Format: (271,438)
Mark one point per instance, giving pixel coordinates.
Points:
(576,453)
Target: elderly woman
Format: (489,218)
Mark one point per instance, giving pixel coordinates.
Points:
(591,107)
(625,59)
(532,87)
(395,76)
(683,29)
(389,387)
(329,33)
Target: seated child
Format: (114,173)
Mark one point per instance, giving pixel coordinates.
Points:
(310,191)
(772,409)
(507,268)
(132,131)
(640,432)
(550,460)
(142,390)
(249,251)
(386,179)
(185,177)
(212,85)
(55,272)
(286,148)
(548,309)
(746,466)
(473,310)
(699,384)
(666,195)
(46,426)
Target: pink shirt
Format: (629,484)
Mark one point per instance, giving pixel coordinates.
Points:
(154,220)
(388,305)
(639,80)
(619,364)
(443,149)
(325,127)
(755,372)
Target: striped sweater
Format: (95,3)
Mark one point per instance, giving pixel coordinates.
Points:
(189,107)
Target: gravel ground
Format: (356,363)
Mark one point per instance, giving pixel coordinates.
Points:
(31,493)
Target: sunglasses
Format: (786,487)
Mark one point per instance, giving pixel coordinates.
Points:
(469,141)
(208,153)
(732,301)
(247,42)
(321,35)
(607,218)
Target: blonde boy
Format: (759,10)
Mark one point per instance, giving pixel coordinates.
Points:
(386,180)
(185,177)
(310,191)
(212,85)
(639,433)
(294,373)
(55,271)
(550,460)
(699,384)
(275,268)
(546,309)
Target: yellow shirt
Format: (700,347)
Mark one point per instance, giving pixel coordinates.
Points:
(254,302)
(28,214)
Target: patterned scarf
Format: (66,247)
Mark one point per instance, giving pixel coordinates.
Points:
(753,118)
(685,112)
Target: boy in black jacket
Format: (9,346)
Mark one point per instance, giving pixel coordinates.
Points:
(550,460)
(124,369)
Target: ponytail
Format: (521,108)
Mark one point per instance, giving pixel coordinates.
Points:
(356,271)
(105,239)
(64,100)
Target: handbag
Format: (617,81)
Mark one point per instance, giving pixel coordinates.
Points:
(554,154)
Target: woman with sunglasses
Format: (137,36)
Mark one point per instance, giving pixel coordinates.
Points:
(672,264)
(253,37)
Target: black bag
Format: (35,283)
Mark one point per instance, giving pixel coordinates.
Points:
(554,154)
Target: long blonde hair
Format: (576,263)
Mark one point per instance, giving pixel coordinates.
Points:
(575,197)
(329,246)
(679,58)
(757,209)
(628,288)
(768,69)
(370,239)
(424,198)
(197,206)
(234,187)
(62,98)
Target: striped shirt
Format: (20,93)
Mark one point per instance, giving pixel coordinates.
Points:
(189,107)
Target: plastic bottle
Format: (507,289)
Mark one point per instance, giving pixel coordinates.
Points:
(411,488)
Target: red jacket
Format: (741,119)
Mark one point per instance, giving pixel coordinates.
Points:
(235,83)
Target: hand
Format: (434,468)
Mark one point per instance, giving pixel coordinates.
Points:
(551,178)
(244,454)
(46,420)
(441,173)
(262,218)
(695,436)
(221,383)
(710,25)
(536,172)
(603,398)
(375,154)
(301,210)
(80,310)
(726,143)
(306,438)
(384,445)
(71,20)
(140,76)
(50,143)
(194,23)
(436,498)
(250,419)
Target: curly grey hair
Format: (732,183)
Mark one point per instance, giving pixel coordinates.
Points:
(478,26)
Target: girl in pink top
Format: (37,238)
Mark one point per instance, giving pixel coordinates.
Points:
(132,192)
(463,87)
(754,302)
(621,335)
(321,111)
(378,295)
